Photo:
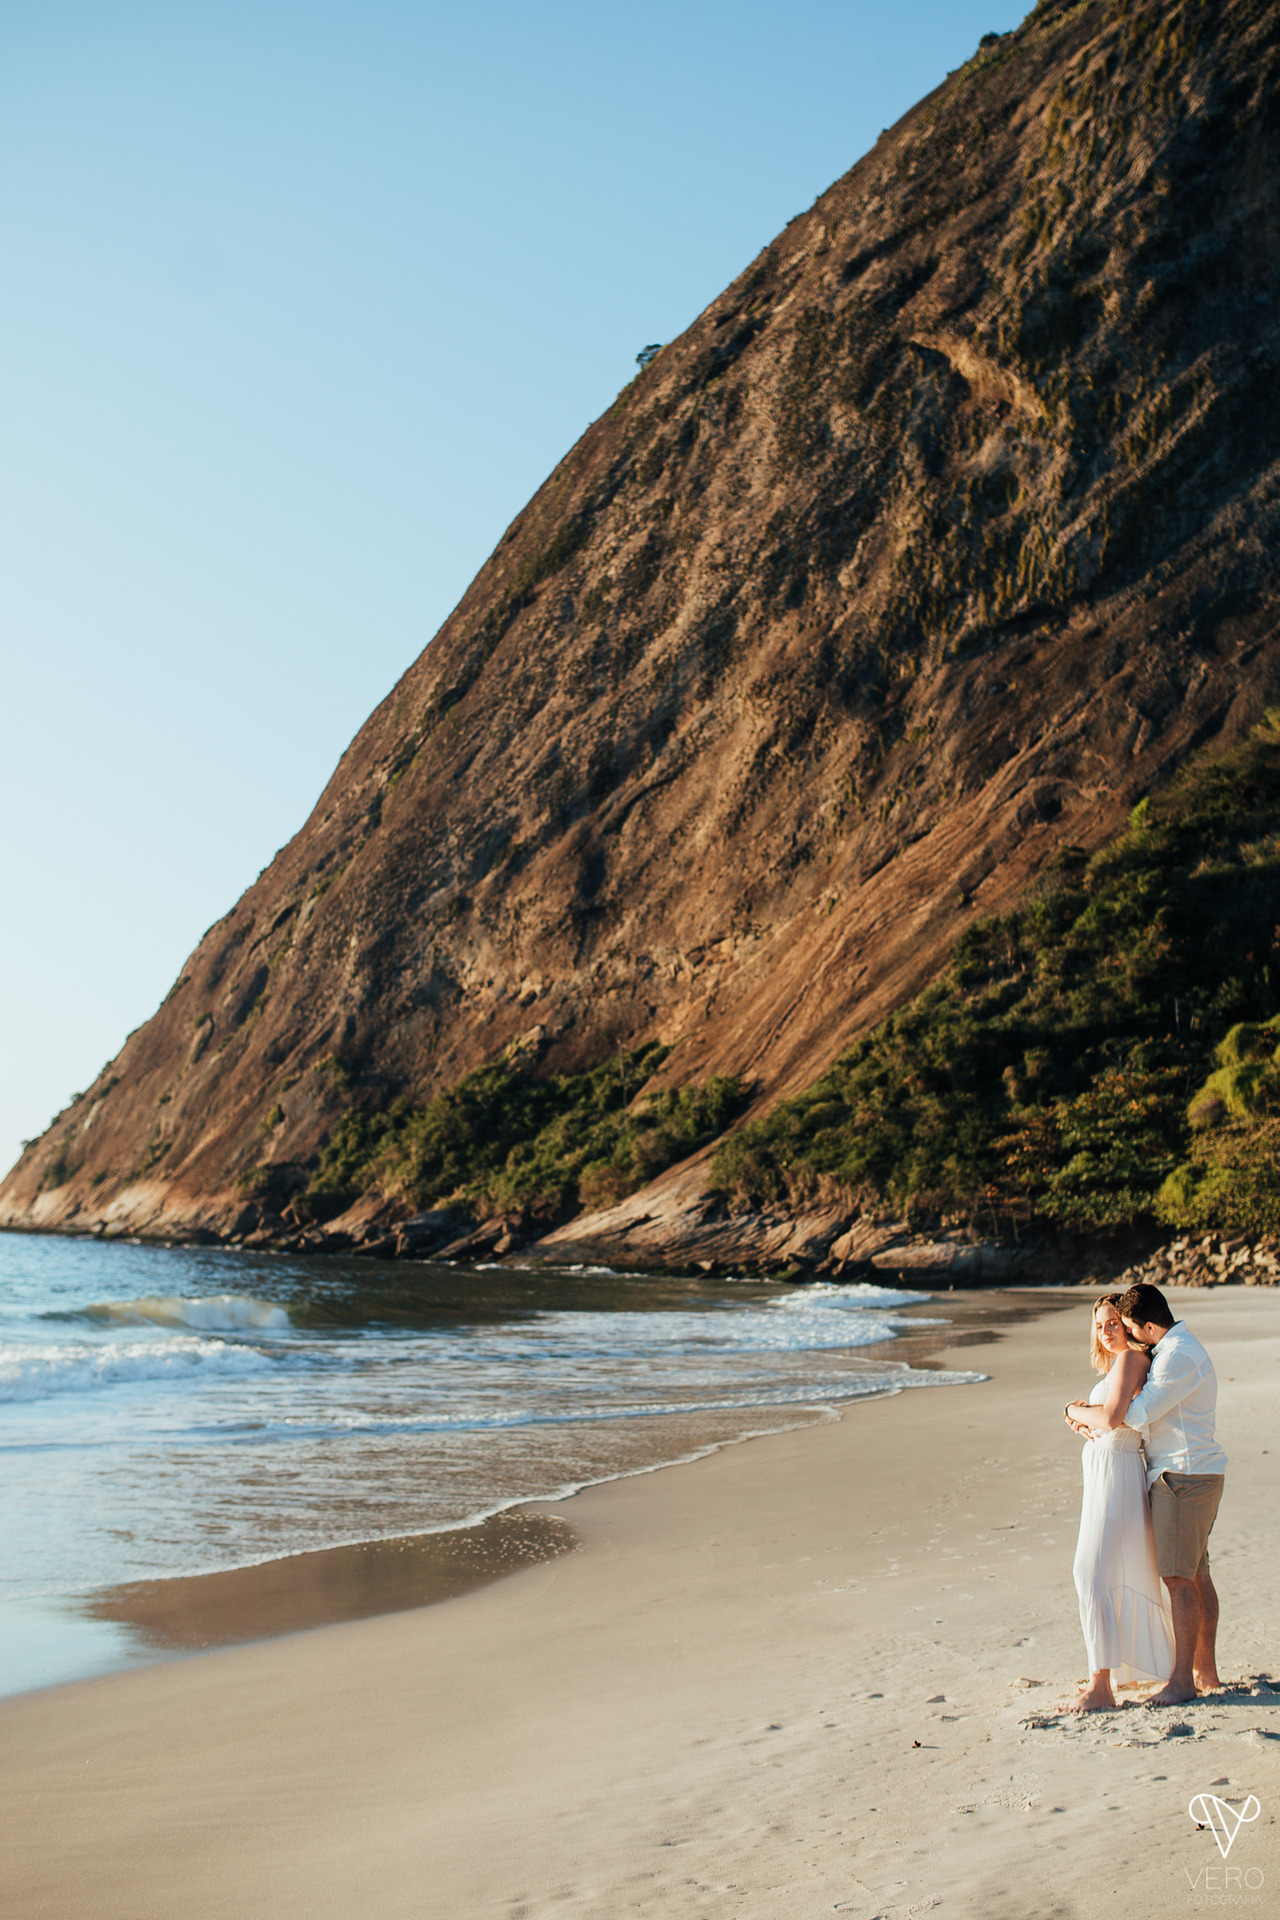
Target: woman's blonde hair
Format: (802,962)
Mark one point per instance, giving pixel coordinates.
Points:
(1098,1354)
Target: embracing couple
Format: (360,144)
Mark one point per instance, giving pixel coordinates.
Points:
(1152,1482)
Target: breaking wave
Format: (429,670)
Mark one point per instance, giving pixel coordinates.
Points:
(34,1372)
(211,1313)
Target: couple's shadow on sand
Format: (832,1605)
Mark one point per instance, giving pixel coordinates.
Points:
(1222,1709)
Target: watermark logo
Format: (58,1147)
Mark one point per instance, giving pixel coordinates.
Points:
(1222,1820)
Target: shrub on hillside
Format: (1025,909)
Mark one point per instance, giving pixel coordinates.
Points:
(503,1141)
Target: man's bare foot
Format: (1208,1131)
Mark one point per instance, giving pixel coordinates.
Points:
(1171,1696)
(1097,1698)
(1208,1682)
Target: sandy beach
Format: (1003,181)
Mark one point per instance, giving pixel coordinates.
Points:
(813,1672)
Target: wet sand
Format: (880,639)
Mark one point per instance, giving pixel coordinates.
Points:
(332,1584)
(816,1672)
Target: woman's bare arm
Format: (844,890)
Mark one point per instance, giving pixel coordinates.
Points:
(1125,1379)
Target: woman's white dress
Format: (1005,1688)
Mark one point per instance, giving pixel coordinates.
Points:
(1124,1610)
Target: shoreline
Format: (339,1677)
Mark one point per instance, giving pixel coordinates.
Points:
(138,1622)
(667,1230)
(672,1227)
(812,1674)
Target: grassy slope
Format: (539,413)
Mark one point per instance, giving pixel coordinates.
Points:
(1050,1073)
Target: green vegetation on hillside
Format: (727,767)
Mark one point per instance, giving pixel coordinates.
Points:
(1231,1178)
(503,1141)
(1104,1055)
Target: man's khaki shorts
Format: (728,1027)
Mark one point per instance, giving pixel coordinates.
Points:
(1184,1507)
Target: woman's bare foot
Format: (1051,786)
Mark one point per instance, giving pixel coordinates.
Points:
(1208,1682)
(1171,1694)
(1097,1697)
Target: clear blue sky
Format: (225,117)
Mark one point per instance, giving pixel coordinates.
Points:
(301,301)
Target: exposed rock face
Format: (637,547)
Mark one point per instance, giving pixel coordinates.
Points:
(679,1217)
(943,534)
(676,1222)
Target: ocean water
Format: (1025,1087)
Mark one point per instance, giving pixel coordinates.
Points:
(173,1411)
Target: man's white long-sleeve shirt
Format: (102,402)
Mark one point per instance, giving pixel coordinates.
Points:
(1177,1407)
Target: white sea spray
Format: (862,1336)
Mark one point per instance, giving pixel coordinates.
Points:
(30,1372)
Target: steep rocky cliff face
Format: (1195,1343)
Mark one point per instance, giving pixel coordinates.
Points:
(938,539)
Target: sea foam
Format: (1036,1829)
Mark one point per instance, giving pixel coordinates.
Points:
(30,1372)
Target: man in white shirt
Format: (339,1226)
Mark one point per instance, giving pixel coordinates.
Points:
(1185,1467)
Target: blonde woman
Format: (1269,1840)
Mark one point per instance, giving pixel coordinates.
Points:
(1123,1609)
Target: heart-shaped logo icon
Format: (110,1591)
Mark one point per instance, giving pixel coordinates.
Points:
(1222,1820)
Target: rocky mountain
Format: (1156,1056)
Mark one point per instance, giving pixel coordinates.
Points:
(945,534)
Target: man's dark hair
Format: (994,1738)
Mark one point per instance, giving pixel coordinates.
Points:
(1144,1305)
